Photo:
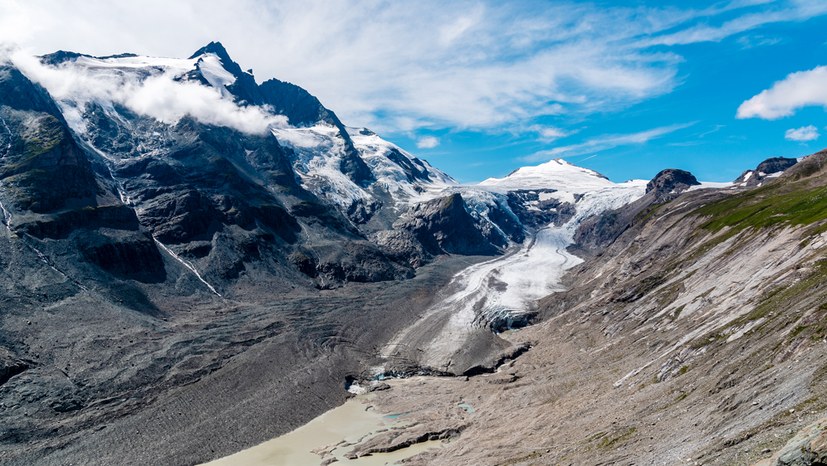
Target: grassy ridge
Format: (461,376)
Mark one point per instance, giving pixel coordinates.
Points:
(775,204)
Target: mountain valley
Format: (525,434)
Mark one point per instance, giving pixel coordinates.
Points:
(186,277)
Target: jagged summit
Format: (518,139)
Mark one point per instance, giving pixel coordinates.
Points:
(217,49)
(213,47)
(298,105)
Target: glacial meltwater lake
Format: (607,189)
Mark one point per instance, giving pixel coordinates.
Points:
(341,427)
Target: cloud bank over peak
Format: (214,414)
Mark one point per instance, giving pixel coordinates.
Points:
(160,96)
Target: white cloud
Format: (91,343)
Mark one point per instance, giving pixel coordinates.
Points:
(803,134)
(427,142)
(400,66)
(605,142)
(797,90)
(549,133)
(159,96)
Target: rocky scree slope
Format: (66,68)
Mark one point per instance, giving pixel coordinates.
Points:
(696,334)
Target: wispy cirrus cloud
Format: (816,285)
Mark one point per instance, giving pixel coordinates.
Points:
(605,142)
(773,12)
(549,133)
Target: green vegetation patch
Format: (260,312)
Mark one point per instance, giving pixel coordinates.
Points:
(771,205)
(43,138)
(522,459)
(677,312)
(39,136)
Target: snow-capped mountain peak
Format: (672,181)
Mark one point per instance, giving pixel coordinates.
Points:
(355,172)
(556,174)
(218,50)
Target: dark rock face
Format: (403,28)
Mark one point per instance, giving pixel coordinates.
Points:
(414,168)
(63,56)
(445,226)
(298,105)
(770,166)
(508,222)
(775,165)
(357,262)
(124,256)
(404,246)
(356,168)
(595,233)
(62,225)
(53,192)
(41,161)
(533,212)
(18,93)
(218,49)
(10,365)
(670,182)
(808,166)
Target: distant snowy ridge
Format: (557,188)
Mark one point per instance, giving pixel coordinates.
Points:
(321,148)
(555,174)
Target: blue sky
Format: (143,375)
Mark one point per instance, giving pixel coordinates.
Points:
(693,126)
(480,88)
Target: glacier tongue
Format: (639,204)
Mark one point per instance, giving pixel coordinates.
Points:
(513,282)
(506,287)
